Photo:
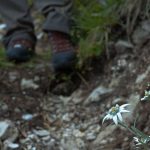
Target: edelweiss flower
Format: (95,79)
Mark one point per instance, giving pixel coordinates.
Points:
(115,113)
(141,140)
(146,95)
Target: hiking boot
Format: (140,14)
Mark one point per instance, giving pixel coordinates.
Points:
(63,52)
(20,50)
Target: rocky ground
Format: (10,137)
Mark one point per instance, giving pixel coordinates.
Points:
(37,112)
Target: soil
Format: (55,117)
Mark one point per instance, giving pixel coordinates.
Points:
(20,101)
(120,72)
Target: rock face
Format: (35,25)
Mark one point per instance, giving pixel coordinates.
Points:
(142,32)
(8,134)
(98,94)
(104,134)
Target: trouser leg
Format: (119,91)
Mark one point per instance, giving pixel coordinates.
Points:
(57,14)
(16,14)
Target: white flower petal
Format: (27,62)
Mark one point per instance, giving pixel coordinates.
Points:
(138,144)
(124,105)
(124,111)
(136,139)
(115,113)
(119,116)
(115,119)
(142,99)
(109,116)
(105,118)
(117,105)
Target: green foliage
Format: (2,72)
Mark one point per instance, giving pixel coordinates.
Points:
(30,2)
(94,22)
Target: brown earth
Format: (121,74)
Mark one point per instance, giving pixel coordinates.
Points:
(20,101)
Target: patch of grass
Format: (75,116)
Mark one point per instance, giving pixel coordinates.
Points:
(30,2)
(94,21)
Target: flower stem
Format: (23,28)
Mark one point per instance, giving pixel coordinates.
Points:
(133,131)
(125,126)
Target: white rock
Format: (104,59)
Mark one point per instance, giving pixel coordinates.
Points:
(11,145)
(40,35)
(46,138)
(2,26)
(67,133)
(64,99)
(27,117)
(33,148)
(30,147)
(13,76)
(80,144)
(69,144)
(97,93)
(142,32)
(29,138)
(104,134)
(134,100)
(51,143)
(4,107)
(146,25)
(140,78)
(122,63)
(78,133)
(66,117)
(28,83)
(4,125)
(41,133)
(8,132)
(91,136)
(121,46)
(94,128)
(77,97)
(36,78)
